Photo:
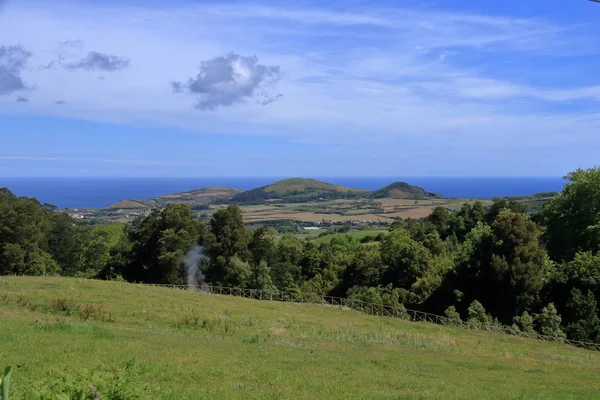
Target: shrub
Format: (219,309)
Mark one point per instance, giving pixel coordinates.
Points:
(524,323)
(95,312)
(452,316)
(63,306)
(548,322)
(477,316)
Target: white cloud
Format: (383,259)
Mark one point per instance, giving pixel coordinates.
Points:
(373,75)
(227,80)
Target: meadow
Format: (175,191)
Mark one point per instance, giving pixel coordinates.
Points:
(170,344)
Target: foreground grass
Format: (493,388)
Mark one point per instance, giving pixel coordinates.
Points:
(188,345)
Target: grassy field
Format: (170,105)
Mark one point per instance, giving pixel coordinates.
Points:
(188,345)
(341,210)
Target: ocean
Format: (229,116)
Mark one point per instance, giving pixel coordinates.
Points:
(102,192)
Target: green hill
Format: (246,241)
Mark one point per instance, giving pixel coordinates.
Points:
(402,190)
(297,190)
(194,198)
(162,343)
(304,184)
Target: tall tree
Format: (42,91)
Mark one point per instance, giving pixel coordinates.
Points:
(159,243)
(407,260)
(572,218)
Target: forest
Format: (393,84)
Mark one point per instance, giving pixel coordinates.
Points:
(534,271)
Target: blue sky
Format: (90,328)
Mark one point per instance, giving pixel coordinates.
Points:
(298,88)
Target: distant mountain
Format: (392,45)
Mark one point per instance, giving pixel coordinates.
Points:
(402,190)
(297,190)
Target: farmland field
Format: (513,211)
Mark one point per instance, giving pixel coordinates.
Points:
(187,345)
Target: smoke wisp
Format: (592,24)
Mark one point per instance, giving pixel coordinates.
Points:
(192,261)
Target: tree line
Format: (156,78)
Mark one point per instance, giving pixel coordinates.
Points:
(499,263)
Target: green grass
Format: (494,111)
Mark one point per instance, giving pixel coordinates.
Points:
(188,345)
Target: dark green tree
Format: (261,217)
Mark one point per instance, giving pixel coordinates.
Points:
(407,260)
(572,218)
(159,243)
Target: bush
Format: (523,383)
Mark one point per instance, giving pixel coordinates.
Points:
(63,306)
(477,316)
(548,322)
(452,317)
(524,323)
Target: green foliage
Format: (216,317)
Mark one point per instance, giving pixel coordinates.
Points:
(159,243)
(477,316)
(407,259)
(452,316)
(583,310)
(572,218)
(524,323)
(548,322)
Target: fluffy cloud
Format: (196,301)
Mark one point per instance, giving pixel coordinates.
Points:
(21,99)
(99,61)
(227,80)
(12,62)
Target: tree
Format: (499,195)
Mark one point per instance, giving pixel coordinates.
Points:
(230,234)
(518,261)
(502,266)
(159,243)
(23,237)
(452,316)
(477,316)
(440,218)
(261,244)
(583,310)
(228,238)
(499,204)
(238,273)
(572,218)
(365,269)
(407,260)
(548,322)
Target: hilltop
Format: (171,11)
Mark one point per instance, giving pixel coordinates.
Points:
(297,190)
(172,344)
(305,184)
(402,190)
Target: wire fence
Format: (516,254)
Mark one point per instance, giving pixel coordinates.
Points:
(374,309)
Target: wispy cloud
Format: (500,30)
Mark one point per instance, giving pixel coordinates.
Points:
(13,60)
(95,61)
(154,163)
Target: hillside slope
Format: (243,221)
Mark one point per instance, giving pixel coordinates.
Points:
(297,190)
(193,198)
(187,345)
(402,190)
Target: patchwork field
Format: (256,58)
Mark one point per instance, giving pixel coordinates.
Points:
(168,344)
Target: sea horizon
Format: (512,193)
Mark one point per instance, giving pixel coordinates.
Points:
(101,192)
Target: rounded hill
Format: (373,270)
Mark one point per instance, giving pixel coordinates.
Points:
(403,190)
